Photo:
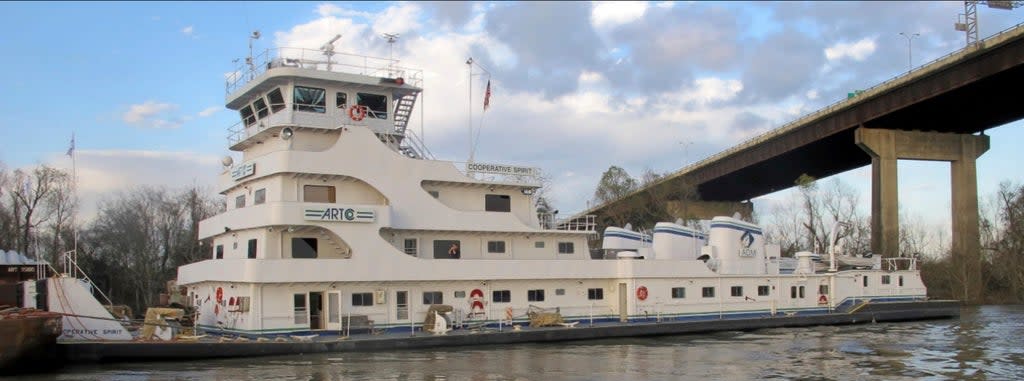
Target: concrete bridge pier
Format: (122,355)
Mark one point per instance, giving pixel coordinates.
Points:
(962,151)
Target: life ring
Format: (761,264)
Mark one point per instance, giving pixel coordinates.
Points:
(357,112)
(508,313)
(822,299)
(641,293)
(476,301)
(220,295)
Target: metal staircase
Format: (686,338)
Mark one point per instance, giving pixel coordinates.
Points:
(402,138)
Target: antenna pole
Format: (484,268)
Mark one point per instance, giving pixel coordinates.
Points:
(469,63)
(392,37)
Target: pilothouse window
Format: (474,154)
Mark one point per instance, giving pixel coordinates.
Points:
(376,105)
(247,115)
(309,99)
(261,108)
(276,100)
(497,203)
(318,193)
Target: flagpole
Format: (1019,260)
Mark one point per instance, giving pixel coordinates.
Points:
(74,195)
(469,63)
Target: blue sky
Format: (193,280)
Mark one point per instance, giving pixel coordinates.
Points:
(577,86)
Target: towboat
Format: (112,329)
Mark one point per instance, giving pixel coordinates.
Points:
(342,231)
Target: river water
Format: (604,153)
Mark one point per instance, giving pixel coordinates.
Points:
(984,344)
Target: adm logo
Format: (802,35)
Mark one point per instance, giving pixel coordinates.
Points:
(746,240)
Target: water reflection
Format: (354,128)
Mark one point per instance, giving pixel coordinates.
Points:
(983,344)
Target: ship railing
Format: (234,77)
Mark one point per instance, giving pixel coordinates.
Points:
(900,263)
(416,144)
(585,223)
(319,60)
(72,269)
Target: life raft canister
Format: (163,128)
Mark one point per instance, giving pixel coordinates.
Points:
(641,293)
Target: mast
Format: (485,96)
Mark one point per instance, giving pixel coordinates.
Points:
(469,63)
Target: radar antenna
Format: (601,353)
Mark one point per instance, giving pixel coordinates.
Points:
(392,38)
(328,49)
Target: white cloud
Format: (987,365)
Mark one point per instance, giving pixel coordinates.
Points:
(398,19)
(607,14)
(102,173)
(151,114)
(858,51)
(210,111)
(188,31)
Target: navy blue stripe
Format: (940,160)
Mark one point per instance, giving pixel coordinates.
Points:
(678,232)
(733,226)
(622,235)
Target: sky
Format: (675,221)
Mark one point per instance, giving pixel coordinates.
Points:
(576,86)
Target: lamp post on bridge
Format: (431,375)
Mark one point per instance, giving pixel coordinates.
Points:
(910,39)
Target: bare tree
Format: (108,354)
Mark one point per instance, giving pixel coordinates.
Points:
(36,195)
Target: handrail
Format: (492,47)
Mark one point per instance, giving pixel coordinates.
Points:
(71,264)
(318,60)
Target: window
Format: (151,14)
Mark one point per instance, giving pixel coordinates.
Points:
(535,295)
(260,106)
(252,248)
(736,291)
(796,292)
(501,296)
(376,105)
(447,249)
(341,100)
(308,99)
(276,100)
(566,248)
(886,279)
(299,301)
(240,201)
(410,246)
(260,196)
(303,247)
(900,279)
(433,297)
(762,290)
(318,193)
(865,280)
(792,292)
(247,116)
(538,245)
(595,294)
(801,291)
(497,203)
(243,304)
(678,292)
(219,252)
(559,291)
(496,247)
(707,292)
(460,294)
(822,289)
(434,193)
(362,299)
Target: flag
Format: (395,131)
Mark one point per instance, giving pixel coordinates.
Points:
(71,149)
(487,95)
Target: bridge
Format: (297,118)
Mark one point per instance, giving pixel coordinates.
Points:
(930,113)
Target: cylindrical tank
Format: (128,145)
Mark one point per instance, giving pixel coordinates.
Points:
(621,239)
(674,241)
(739,245)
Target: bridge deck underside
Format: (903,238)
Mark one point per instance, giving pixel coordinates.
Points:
(974,95)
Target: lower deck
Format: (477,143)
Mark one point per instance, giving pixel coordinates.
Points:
(220,346)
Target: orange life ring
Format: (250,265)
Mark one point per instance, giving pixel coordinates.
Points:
(220,295)
(641,293)
(822,299)
(357,112)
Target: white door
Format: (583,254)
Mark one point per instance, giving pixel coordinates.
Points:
(334,310)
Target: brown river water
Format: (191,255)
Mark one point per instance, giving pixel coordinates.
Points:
(986,343)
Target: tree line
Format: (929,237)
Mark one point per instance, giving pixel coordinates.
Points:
(820,213)
(130,249)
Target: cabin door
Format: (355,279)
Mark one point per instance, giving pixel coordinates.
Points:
(623,311)
(334,310)
(401,305)
(316,310)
